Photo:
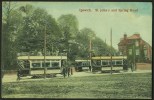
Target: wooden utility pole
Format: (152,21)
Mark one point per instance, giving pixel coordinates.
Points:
(90,54)
(45,53)
(52,48)
(134,54)
(111,49)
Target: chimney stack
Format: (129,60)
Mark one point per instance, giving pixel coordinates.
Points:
(125,36)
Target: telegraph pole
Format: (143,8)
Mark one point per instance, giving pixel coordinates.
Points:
(45,53)
(111,49)
(134,54)
(90,54)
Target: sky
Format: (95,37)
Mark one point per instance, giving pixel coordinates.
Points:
(121,17)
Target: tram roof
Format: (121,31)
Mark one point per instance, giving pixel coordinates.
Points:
(41,57)
(109,57)
(81,60)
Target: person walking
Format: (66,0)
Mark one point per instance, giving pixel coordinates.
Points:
(68,71)
(18,74)
(64,69)
(64,72)
(131,65)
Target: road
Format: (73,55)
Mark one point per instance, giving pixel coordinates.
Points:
(13,77)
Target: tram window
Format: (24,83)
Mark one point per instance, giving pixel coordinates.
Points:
(79,63)
(119,62)
(47,64)
(36,65)
(84,64)
(87,64)
(26,64)
(98,62)
(113,62)
(55,64)
(104,62)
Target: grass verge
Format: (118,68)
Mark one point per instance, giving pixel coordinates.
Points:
(115,86)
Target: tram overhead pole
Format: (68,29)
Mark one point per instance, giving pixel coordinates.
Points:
(45,69)
(90,55)
(111,50)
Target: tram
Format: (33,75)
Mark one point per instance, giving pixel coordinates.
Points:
(103,63)
(82,65)
(38,65)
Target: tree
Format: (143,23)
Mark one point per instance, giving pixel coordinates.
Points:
(99,47)
(68,25)
(11,25)
(83,39)
(35,25)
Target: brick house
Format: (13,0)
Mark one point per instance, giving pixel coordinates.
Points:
(135,48)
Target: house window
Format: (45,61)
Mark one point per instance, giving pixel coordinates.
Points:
(130,51)
(137,52)
(145,52)
(120,53)
(136,43)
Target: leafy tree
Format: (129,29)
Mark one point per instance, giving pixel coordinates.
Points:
(68,25)
(36,25)
(83,39)
(69,28)
(26,10)
(11,25)
(99,47)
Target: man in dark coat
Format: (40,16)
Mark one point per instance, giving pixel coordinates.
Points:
(18,74)
(64,68)
(68,71)
(64,72)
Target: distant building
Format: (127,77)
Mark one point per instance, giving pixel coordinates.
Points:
(135,48)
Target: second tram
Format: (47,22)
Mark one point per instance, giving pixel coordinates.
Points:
(104,63)
(82,65)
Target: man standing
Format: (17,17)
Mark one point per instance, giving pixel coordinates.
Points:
(18,74)
(64,72)
(68,71)
(64,69)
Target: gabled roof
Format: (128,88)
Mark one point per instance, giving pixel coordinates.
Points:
(122,42)
(146,43)
(134,36)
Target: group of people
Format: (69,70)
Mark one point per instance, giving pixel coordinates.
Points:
(66,71)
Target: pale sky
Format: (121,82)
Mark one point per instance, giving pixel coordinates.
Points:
(139,21)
